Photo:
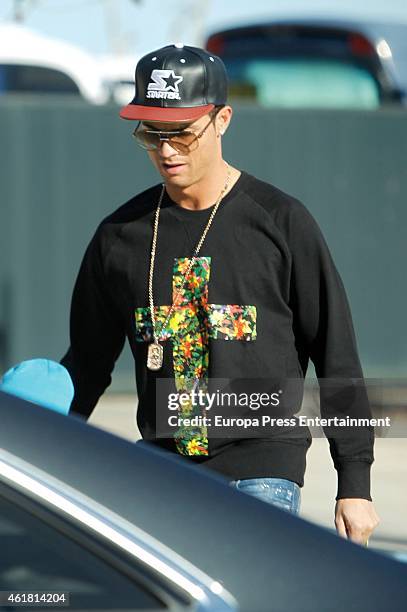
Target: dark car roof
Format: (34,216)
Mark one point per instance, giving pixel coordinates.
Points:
(394,33)
(258,552)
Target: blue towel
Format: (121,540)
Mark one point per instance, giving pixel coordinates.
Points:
(41,381)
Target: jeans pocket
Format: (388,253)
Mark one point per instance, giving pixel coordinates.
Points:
(283,494)
(279,492)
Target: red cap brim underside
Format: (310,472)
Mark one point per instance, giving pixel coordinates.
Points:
(158,113)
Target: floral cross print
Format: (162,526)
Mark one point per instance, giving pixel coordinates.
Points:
(192,324)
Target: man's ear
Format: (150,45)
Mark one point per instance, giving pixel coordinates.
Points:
(223,119)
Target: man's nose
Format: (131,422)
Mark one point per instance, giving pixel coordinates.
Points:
(166,149)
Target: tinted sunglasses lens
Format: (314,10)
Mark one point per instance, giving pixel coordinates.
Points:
(184,142)
(147,140)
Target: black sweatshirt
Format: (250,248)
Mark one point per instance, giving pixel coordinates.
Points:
(262,298)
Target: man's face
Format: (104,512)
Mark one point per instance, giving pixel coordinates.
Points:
(184,169)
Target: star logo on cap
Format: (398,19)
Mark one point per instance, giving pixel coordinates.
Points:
(172,81)
(164,80)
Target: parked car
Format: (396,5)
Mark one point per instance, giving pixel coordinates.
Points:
(315,62)
(129,526)
(31,63)
(118,76)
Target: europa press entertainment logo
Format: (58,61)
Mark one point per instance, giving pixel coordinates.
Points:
(164,84)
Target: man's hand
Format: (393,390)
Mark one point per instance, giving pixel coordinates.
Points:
(355,519)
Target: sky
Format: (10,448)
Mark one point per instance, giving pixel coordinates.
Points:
(127,26)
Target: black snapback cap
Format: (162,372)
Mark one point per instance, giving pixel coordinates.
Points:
(177,83)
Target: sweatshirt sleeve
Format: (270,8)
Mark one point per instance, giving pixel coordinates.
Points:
(97,333)
(324,333)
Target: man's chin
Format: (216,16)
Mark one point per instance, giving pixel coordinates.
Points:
(177,180)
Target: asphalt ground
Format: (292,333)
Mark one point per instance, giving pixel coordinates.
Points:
(116,413)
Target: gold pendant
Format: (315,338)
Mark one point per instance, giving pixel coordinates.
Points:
(155,356)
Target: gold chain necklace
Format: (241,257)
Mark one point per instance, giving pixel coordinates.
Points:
(155,349)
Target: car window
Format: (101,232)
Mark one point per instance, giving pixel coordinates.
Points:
(37,557)
(35,79)
(300,83)
(296,65)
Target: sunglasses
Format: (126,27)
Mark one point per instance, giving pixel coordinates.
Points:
(183,141)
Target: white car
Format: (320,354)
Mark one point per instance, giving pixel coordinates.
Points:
(31,63)
(118,76)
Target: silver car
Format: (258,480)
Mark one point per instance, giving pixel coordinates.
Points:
(95,522)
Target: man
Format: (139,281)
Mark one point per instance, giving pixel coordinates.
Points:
(215,274)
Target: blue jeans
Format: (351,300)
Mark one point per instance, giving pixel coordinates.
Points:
(284,494)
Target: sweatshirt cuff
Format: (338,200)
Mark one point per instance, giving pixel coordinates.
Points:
(354,480)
